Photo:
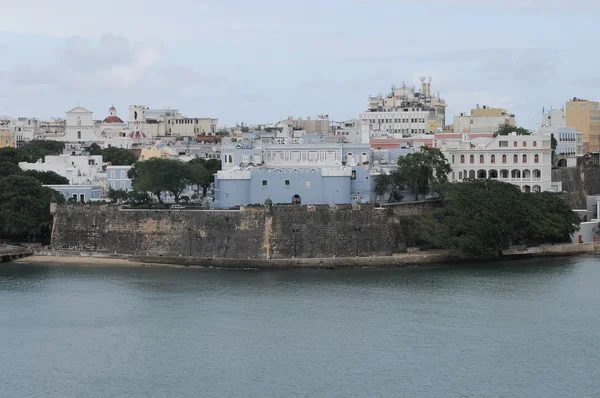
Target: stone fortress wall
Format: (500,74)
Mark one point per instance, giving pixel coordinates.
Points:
(276,232)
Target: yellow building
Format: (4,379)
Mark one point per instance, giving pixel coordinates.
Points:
(584,116)
(150,153)
(7,138)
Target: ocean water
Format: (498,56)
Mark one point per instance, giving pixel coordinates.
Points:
(518,329)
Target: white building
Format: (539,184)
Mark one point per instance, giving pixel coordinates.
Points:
(522,160)
(406,111)
(482,120)
(80,170)
(353,130)
(24,129)
(554,118)
(569,141)
(79,126)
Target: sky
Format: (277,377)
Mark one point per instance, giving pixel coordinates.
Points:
(257,61)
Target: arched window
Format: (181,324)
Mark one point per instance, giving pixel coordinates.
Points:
(516,159)
(462,158)
(515,144)
(524,143)
(452,158)
(503,158)
(472,159)
(481,159)
(534,143)
(536,158)
(524,158)
(493,159)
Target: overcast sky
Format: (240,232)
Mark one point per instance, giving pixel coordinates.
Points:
(263,60)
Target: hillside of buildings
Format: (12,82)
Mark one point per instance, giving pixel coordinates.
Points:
(400,148)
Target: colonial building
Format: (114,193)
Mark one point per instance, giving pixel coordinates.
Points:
(522,160)
(293,172)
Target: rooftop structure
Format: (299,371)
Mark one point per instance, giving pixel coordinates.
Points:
(406,111)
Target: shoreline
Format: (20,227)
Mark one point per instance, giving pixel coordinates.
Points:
(417,259)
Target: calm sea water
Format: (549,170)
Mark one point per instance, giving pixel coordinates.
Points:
(527,329)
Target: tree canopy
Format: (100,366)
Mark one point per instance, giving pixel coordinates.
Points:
(211,166)
(507,129)
(25,206)
(422,172)
(31,152)
(480,218)
(47,177)
(166,175)
(114,156)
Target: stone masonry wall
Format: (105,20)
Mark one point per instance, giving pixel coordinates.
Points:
(252,233)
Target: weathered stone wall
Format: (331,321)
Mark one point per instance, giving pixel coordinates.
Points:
(252,233)
(578,182)
(106,229)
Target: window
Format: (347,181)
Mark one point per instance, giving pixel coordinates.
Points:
(462,158)
(264,182)
(524,158)
(493,159)
(481,158)
(503,144)
(453,159)
(91,162)
(534,143)
(524,143)
(503,158)
(536,159)
(515,144)
(472,159)
(287,183)
(79,135)
(516,159)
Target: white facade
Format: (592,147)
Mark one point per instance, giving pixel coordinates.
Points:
(524,161)
(79,126)
(80,170)
(554,118)
(24,128)
(569,141)
(406,111)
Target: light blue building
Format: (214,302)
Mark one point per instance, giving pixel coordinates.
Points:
(79,193)
(116,178)
(294,172)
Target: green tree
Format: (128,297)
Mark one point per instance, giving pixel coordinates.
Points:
(507,129)
(212,166)
(95,150)
(12,155)
(481,218)
(160,175)
(47,177)
(552,220)
(389,183)
(25,206)
(424,171)
(118,156)
(8,168)
(117,195)
(31,152)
